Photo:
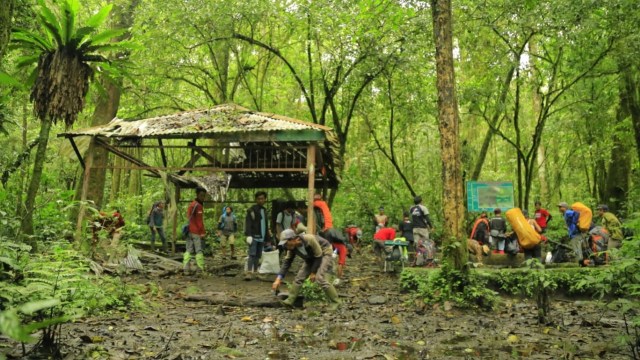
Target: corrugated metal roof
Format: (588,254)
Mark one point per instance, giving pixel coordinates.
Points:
(227,118)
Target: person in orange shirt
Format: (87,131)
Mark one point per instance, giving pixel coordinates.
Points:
(326,222)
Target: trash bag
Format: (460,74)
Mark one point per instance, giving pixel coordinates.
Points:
(270,262)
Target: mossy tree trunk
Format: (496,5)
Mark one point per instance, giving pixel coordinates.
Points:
(6,13)
(26,225)
(448,120)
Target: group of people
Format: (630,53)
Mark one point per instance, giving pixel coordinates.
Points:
(317,251)
(414,228)
(586,242)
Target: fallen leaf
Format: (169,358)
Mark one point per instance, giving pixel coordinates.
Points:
(246,318)
(395,319)
(512,339)
(267,319)
(191,321)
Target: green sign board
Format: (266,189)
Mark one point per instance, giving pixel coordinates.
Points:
(486,196)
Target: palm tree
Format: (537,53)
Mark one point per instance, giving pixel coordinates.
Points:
(66,57)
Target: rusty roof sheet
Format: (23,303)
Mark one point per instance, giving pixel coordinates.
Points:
(227,118)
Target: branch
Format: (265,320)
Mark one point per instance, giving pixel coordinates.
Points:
(293,71)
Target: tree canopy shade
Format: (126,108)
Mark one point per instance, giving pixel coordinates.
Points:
(258,150)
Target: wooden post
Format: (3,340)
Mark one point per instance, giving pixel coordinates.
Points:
(85,188)
(174,238)
(311,168)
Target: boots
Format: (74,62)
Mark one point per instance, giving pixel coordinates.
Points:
(334,299)
(200,262)
(293,295)
(186,262)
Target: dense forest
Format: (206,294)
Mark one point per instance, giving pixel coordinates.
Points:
(423,96)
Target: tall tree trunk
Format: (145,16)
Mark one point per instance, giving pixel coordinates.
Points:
(106,109)
(448,124)
(26,225)
(537,109)
(116,178)
(630,76)
(617,180)
(6,14)
(23,167)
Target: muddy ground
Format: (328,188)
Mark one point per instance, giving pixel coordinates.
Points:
(376,321)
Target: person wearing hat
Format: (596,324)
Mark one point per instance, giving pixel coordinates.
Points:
(612,224)
(316,253)
(380,219)
(421,227)
(575,236)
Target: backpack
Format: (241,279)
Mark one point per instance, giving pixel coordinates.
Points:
(512,246)
(319,217)
(598,244)
(418,217)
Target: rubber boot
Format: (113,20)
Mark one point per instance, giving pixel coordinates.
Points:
(293,295)
(200,262)
(334,299)
(186,262)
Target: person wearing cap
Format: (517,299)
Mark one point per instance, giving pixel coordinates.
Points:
(541,216)
(316,253)
(575,236)
(421,227)
(380,219)
(612,224)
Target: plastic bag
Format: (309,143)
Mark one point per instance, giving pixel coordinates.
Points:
(270,262)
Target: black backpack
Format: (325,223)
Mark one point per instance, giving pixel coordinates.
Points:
(319,217)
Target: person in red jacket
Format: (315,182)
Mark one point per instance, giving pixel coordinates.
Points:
(195,214)
(382,235)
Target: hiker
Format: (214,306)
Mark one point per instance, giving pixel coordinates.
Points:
(195,213)
(227,226)
(384,234)
(474,248)
(323,217)
(380,219)
(498,228)
(480,231)
(406,229)
(316,253)
(536,251)
(571,218)
(339,243)
(541,216)
(256,229)
(285,218)
(155,220)
(613,226)
(425,248)
(354,235)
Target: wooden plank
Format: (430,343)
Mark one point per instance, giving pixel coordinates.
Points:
(162,153)
(75,149)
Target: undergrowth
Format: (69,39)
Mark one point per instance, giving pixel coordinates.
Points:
(45,290)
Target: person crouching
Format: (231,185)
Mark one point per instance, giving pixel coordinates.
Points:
(318,262)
